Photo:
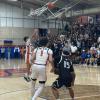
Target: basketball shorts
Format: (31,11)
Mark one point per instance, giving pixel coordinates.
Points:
(61,82)
(39,72)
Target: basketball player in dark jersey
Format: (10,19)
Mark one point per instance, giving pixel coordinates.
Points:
(66,76)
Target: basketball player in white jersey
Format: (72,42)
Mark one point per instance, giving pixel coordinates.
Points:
(41,56)
(28,55)
(30,45)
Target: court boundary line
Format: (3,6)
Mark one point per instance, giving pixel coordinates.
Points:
(80,97)
(20,90)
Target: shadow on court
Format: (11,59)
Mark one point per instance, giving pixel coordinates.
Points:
(82,92)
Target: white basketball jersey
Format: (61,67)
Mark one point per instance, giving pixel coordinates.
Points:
(42,55)
(73,49)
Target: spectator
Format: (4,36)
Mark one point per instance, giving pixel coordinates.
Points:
(83,57)
(22,52)
(16,52)
(88,57)
(2,52)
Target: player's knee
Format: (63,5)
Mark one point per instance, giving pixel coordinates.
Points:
(33,79)
(42,82)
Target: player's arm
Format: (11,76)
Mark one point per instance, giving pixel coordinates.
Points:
(35,35)
(72,73)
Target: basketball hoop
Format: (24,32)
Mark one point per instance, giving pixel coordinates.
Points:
(50,5)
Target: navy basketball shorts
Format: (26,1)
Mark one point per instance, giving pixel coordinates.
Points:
(62,82)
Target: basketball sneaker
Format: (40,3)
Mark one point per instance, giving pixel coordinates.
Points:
(27,78)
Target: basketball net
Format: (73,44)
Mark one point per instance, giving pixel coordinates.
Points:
(39,11)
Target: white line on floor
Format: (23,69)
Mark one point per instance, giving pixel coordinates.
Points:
(82,97)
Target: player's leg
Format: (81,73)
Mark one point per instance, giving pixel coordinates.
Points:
(71,92)
(33,87)
(34,76)
(68,84)
(55,86)
(42,79)
(26,77)
(28,66)
(39,90)
(28,69)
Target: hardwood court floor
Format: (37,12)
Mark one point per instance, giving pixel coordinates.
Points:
(14,87)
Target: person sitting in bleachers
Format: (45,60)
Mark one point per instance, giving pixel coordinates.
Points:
(16,52)
(98,57)
(83,57)
(93,54)
(88,57)
(2,52)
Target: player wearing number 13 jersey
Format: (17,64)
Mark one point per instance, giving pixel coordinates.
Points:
(40,57)
(66,75)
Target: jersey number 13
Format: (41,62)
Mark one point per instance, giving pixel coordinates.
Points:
(66,65)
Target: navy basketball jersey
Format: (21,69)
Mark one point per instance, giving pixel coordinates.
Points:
(65,67)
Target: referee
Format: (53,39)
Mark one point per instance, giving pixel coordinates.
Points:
(66,75)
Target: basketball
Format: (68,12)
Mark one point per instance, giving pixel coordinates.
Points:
(50,5)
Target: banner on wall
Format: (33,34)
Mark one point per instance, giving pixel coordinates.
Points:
(82,19)
(85,19)
(8,42)
(97,18)
(90,20)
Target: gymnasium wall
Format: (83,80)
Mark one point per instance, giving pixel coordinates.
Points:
(15,34)
(15,23)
